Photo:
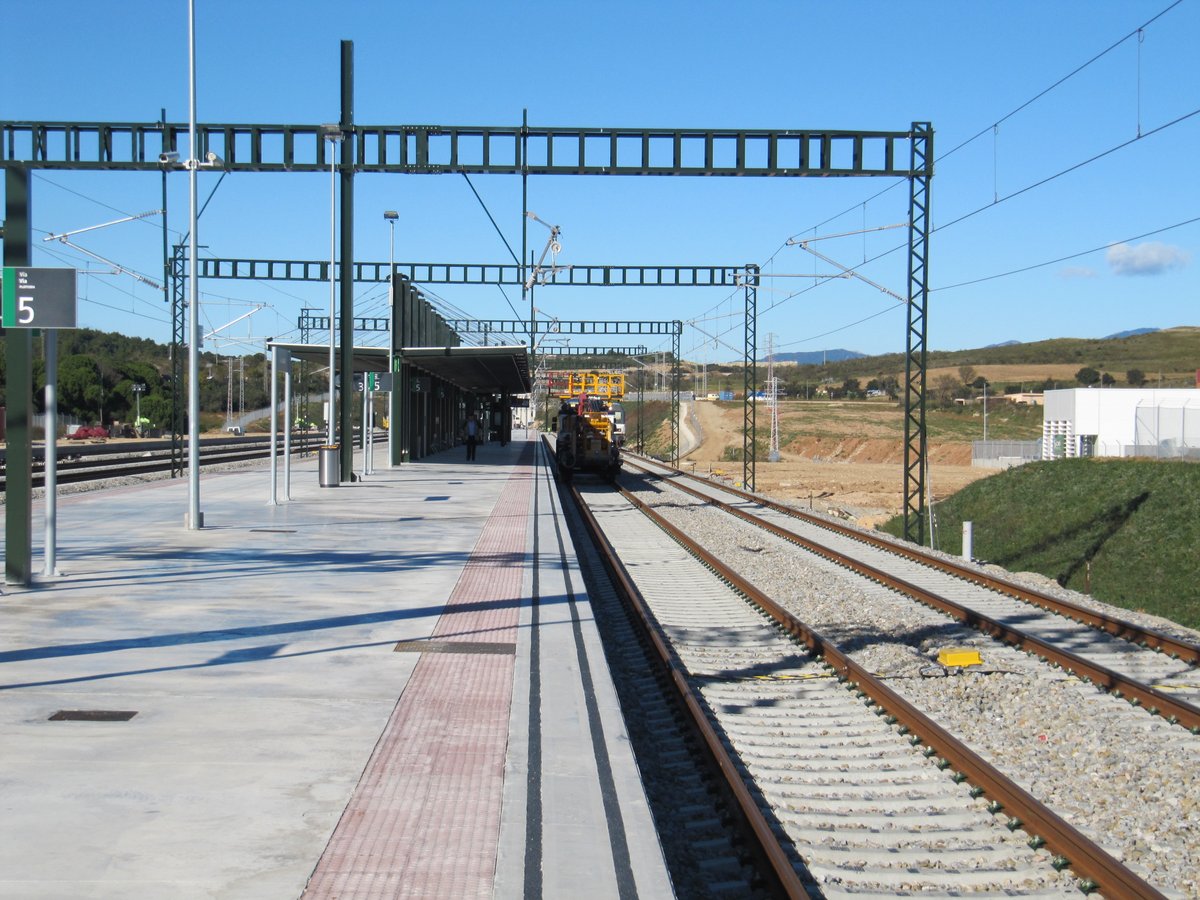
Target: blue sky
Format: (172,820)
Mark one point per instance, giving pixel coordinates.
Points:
(972,69)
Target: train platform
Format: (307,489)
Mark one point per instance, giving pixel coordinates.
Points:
(389,688)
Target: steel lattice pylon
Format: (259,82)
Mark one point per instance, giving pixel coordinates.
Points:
(178,355)
(915,356)
(749,379)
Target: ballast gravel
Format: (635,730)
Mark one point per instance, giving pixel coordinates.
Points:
(1125,778)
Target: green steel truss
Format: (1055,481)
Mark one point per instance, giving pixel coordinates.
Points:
(749,378)
(178,288)
(516,150)
(475,273)
(564,326)
(551,352)
(437,149)
(918,307)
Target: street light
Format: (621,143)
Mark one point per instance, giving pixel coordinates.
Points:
(333,134)
(390,216)
(138,390)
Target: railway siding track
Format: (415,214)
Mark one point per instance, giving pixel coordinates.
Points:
(1119,657)
(101,462)
(865,789)
(1173,646)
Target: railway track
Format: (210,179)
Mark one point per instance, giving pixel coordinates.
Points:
(854,791)
(104,461)
(1122,821)
(1151,669)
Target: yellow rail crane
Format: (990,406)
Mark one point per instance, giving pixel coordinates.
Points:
(591,422)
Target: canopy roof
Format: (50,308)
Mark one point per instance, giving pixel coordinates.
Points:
(481,370)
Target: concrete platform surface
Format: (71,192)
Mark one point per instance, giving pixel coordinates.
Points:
(283,743)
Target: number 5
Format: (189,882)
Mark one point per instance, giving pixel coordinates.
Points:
(24,310)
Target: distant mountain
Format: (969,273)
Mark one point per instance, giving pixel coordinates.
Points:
(1001,344)
(816,357)
(1131,333)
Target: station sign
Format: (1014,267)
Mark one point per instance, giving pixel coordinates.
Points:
(38,298)
(379,381)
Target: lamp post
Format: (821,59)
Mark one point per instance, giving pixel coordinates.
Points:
(195,518)
(138,390)
(333,134)
(985,386)
(390,216)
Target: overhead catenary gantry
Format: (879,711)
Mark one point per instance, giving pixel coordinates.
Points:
(523,150)
(501,274)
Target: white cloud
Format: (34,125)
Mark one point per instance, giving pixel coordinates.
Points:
(1151,258)
(1076,272)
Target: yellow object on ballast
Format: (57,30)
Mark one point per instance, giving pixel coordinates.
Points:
(959,656)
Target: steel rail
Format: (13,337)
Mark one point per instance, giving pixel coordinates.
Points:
(1155,702)
(112,464)
(767,844)
(1186,651)
(1086,858)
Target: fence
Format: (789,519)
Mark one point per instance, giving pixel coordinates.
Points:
(38,422)
(1004,454)
(1167,431)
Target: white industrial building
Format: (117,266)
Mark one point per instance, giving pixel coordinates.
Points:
(1160,423)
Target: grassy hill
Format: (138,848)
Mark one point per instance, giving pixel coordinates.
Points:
(1124,530)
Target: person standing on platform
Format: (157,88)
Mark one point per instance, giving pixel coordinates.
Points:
(472,435)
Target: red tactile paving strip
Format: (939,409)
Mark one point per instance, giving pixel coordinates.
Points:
(424,820)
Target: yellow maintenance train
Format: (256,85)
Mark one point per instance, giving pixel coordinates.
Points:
(591,422)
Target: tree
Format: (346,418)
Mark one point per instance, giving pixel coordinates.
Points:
(967,374)
(943,390)
(80,387)
(1107,380)
(1087,376)
(1135,377)
(850,386)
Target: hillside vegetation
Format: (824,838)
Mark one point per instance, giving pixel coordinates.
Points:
(1125,531)
(1173,353)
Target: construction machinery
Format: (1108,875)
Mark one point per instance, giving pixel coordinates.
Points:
(591,422)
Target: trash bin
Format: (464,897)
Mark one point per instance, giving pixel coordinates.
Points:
(329,465)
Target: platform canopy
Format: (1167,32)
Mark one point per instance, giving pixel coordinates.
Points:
(480,370)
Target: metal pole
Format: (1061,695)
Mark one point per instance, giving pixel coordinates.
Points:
(274,421)
(346,296)
(287,425)
(365,429)
(51,448)
(391,217)
(985,410)
(525,233)
(195,518)
(331,437)
(18,507)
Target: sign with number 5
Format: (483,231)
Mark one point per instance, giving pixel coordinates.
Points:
(38,298)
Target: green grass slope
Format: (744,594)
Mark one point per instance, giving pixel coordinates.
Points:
(1125,531)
